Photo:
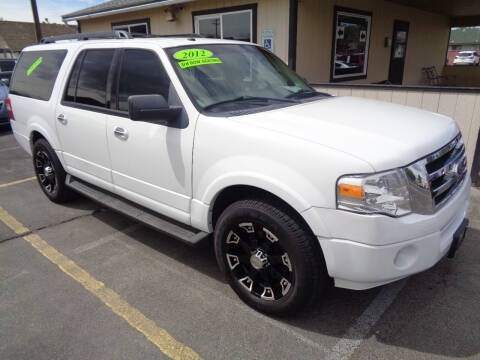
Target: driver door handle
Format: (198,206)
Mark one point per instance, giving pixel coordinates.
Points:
(120,133)
(62,119)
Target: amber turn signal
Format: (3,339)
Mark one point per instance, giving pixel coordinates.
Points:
(351,191)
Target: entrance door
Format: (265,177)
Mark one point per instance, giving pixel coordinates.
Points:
(399,51)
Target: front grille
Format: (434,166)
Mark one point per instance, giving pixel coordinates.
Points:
(433,180)
(446,170)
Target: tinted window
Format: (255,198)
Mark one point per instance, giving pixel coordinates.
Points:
(72,81)
(141,73)
(36,72)
(92,80)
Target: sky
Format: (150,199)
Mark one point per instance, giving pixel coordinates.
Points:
(21,10)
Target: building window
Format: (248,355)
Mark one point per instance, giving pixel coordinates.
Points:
(141,26)
(233,23)
(351,38)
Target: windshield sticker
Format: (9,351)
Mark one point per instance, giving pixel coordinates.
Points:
(198,62)
(34,66)
(192,54)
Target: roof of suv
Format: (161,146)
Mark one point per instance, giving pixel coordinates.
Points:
(165,42)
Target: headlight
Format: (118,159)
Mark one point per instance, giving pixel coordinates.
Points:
(382,193)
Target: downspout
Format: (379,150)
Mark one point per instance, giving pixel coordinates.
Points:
(292,34)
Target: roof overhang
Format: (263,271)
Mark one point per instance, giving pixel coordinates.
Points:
(124,10)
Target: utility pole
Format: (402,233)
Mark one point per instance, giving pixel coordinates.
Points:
(38,31)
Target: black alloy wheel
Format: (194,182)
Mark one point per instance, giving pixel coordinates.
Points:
(50,173)
(268,255)
(45,171)
(258,261)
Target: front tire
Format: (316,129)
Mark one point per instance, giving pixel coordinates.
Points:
(50,173)
(270,259)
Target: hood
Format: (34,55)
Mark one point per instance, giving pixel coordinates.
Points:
(383,134)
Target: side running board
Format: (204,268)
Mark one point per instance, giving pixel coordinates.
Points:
(158,222)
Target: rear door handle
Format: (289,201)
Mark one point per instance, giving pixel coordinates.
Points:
(62,119)
(120,133)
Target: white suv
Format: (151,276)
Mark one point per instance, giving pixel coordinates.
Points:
(198,136)
(467,58)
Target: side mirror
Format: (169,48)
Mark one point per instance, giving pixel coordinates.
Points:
(152,108)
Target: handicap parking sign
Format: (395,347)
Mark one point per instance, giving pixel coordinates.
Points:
(268,39)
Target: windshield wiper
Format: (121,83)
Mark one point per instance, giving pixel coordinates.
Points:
(250,98)
(304,92)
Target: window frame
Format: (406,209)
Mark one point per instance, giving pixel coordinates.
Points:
(108,91)
(220,12)
(114,105)
(130,23)
(113,81)
(338,10)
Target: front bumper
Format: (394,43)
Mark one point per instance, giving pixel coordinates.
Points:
(363,251)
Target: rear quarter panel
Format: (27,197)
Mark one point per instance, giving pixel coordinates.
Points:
(38,115)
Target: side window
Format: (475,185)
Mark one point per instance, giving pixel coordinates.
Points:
(72,81)
(36,72)
(141,73)
(91,86)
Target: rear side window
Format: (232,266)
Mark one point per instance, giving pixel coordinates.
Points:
(141,73)
(88,81)
(36,72)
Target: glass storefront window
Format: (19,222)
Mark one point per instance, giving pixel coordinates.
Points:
(351,43)
(235,25)
(134,27)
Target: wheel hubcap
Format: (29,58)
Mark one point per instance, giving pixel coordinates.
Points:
(258,262)
(48,171)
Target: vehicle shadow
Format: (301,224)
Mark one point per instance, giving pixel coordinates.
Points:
(436,313)
(5,130)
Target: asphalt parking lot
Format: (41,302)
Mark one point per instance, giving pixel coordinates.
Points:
(81,282)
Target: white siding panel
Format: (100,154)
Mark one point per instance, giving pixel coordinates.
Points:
(414,98)
(399,97)
(385,95)
(358,93)
(464,112)
(430,101)
(447,104)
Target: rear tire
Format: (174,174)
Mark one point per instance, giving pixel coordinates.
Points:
(50,173)
(269,258)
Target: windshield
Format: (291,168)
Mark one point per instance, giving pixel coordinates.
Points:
(465,54)
(230,77)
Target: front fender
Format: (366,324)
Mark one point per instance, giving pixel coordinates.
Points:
(272,177)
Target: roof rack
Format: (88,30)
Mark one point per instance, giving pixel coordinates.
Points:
(141,35)
(116,34)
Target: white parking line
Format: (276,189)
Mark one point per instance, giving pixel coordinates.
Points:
(10,148)
(14,277)
(354,336)
(106,239)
